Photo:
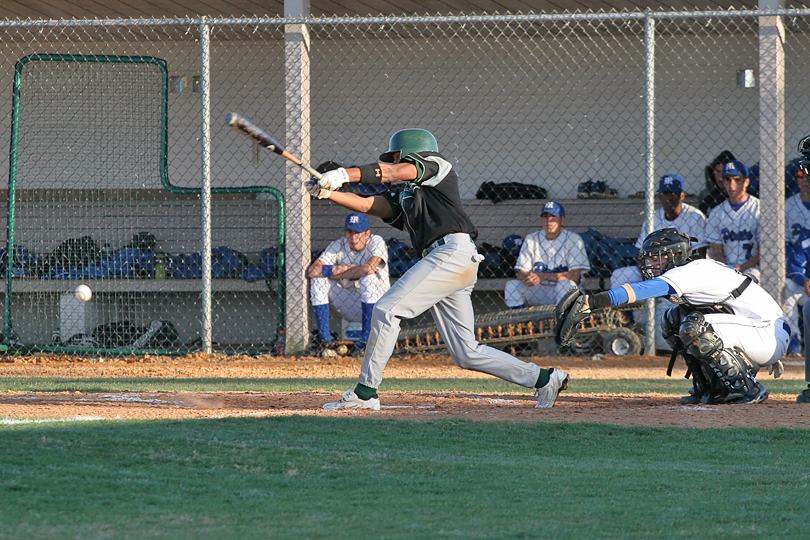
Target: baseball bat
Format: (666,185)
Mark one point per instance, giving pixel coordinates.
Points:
(243,126)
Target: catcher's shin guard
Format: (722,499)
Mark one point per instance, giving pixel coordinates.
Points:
(698,336)
(735,377)
(730,372)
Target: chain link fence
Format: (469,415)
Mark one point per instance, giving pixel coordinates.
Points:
(529,109)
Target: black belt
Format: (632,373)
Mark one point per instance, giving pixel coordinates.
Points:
(438,243)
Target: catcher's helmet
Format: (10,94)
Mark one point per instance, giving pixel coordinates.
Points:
(408,141)
(666,247)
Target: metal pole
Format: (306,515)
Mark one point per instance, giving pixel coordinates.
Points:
(649,157)
(205,139)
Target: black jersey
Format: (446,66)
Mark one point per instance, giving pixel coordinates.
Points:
(429,207)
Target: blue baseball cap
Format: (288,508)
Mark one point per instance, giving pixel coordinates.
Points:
(357,222)
(670,183)
(735,168)
(553,208)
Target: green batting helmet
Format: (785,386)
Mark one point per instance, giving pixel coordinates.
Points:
(408,141)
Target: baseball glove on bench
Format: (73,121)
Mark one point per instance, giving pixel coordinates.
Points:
(570,311)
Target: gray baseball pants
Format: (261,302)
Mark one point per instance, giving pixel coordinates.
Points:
(441,282)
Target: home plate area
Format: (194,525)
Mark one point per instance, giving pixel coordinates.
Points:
(648,409)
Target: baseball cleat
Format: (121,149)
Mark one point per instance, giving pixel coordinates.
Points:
(804,397)
(547,395)
(351,401)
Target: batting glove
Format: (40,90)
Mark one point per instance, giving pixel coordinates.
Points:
(316,190)
(776,369)
(332,180)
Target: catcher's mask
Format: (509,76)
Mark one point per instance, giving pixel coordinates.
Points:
(663,250)
(409,141)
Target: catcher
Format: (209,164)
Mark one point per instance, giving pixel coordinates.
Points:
(724,325)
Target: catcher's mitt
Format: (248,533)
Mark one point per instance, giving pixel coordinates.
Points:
(567,316)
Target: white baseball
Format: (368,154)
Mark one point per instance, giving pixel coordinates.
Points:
(83,293)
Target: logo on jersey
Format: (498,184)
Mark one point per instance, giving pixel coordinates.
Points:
(540,267)
(736,236)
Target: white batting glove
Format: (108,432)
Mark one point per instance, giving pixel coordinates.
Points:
(332,180)
(316,190)
(776,369)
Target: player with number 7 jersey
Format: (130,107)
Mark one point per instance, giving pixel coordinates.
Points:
(733,227)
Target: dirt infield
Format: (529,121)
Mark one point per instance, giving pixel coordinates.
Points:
(646,409)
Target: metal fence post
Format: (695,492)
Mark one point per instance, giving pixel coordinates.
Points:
(205,199)
(297,200)
(649,159)
(772,149)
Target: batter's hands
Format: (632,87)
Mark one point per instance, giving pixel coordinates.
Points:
(776,369)
(316,190)
(332,180)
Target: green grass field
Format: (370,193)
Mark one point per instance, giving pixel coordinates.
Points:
(359,477)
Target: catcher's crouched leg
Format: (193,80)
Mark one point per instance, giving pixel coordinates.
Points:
(671,322)
(729,373)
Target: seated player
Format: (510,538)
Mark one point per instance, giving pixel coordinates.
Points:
(351,274)
(725,326)
(733,227)
(550,262)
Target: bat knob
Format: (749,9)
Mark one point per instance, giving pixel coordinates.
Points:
(230,118)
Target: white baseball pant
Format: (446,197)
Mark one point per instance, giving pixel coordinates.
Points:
(346,300)
(763,343)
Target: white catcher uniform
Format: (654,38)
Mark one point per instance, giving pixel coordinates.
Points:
(737,230)
(538,254)
(690,221)
(346,295)
(757,326)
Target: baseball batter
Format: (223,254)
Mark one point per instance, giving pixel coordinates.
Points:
(725,325)
(550,262)
(351,274)
(733,228)
(429,209)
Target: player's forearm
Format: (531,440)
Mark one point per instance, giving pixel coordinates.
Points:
(570,275)
(347,271)
(376,173)
(750,263)
(717,253)
(355,271)
(315,270)
(629,293)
